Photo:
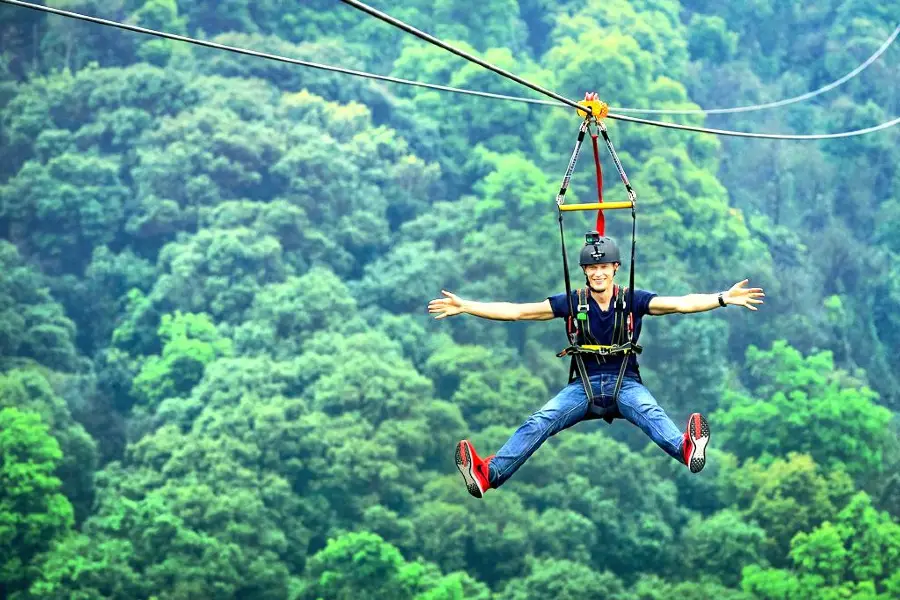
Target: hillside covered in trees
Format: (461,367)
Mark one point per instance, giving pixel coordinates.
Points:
(218,377)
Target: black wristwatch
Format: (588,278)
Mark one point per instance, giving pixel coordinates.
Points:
(721,299)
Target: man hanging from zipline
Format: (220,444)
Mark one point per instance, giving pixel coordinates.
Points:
(615,385)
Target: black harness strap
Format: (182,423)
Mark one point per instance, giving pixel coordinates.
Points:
(601,407)
(619,333)
(598,406)
(578,323)
(560,199)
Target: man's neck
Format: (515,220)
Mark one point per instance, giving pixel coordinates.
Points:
(602,298)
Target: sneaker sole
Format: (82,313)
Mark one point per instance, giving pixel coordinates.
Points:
(699,426)
(464,464)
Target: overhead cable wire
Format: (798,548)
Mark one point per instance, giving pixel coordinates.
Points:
(441,44)
(461,53)
(444,88)
(269,56)
(777,103)
(238,50)
(765,136)
(447,88)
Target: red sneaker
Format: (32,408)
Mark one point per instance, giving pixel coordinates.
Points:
(696,437)
(475,471)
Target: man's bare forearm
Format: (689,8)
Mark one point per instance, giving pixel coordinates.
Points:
(694,303)
(496,311)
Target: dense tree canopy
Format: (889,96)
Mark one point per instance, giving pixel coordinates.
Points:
(218,377)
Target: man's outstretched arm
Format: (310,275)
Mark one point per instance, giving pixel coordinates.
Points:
(451,305)
(738,295)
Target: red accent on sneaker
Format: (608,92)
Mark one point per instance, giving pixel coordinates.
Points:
(687,448)
(485,468)
(696,439)
(474,470)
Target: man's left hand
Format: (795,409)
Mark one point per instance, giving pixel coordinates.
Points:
(744,296)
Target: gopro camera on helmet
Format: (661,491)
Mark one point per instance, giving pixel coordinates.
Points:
(598,249)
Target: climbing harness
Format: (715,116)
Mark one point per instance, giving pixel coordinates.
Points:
(581,342)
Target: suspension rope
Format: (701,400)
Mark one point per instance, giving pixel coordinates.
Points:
(444,88)
(753,107)
(612,151)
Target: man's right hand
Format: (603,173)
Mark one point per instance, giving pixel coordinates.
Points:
(446,307)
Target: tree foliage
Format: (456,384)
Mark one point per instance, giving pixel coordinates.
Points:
(218,377)
(802,404)
(33,512)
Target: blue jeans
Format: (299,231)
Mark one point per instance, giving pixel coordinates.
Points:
(570,406)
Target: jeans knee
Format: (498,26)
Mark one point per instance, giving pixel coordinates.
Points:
(549,421)
(651,409)
(541,420)
(639,404)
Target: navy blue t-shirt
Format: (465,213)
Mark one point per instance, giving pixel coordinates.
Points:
(602,322)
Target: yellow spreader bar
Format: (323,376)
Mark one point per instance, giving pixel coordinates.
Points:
(595,206)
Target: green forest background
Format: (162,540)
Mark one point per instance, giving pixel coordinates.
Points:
(218,377)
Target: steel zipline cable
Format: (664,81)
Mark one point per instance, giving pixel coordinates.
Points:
(433,40)
(777,103)
(559,102)
(711,111)
(382,16)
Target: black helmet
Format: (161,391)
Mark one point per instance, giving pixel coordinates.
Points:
(598,250)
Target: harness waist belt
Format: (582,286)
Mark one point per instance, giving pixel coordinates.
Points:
(601,352)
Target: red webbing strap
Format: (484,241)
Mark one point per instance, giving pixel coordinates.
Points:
(601,220)
(629,318)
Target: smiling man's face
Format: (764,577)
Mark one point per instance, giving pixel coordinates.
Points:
(600,277)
